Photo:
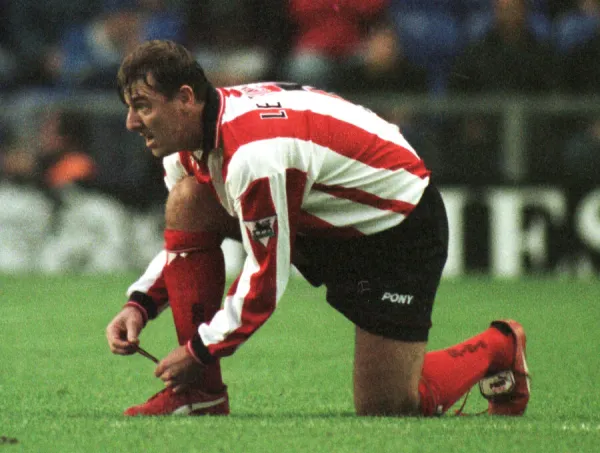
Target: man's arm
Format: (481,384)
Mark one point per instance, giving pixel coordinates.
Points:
(147,297)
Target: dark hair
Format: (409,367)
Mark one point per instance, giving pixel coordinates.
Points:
(171,65)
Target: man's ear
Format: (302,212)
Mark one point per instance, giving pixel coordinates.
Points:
(186,95)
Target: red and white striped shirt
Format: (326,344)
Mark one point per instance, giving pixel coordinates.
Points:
(286,161)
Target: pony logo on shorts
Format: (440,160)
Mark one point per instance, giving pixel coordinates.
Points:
(395,298)
(263,229)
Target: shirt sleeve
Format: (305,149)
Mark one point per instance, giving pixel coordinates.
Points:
(267,202)
(174,170)
(149,291)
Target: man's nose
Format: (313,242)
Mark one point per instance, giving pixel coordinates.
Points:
(133,122)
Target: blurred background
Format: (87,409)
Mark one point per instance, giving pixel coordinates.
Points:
(500,97)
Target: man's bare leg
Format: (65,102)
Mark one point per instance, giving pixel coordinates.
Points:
(386,375)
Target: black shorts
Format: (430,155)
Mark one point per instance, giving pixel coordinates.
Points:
(384,283)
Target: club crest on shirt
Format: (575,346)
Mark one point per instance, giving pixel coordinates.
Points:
(261,230)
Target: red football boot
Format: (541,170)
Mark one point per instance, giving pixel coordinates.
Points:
(190,402)
(508,391)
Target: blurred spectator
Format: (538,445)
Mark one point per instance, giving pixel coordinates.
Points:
(90,52)
(91,152)
(450,8)
(35,28)
(62,158)
(457,9)
(508,60)
(577,26)
(37,184)
(381,65)
(581,66)
(556,8)
(127,171)
(15,166)
(581,77)
(536,20)
(579,160)
(328,33)
(577,42)
(59,205)
(432,40)
(26,214)
(19,166)
(238,41)
(433,33)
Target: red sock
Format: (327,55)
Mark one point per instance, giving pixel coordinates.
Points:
(195,281)
(450,373)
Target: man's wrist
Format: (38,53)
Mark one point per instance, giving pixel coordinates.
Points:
(145,302)
(140,308)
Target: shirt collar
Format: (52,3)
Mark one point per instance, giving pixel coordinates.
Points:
(210,126)
(210,129)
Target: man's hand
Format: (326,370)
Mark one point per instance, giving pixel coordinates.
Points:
(123,331)
(179,370)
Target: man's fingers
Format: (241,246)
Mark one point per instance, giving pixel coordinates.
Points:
(160,369)
(133,330)
(114,332)
(180,388)
(123,332)
(178,370)
(118,344)
(114,337)
(175,384)
(122,348)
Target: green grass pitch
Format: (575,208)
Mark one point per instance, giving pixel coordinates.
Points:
(61,390)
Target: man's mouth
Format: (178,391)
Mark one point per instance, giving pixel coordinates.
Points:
(149,138)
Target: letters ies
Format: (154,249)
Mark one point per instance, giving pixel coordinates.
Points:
(395,298)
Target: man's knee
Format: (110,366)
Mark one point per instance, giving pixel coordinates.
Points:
(386,375)
(192,206)
(405,405)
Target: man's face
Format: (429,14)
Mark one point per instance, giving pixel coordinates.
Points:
(511,14)
(167,125)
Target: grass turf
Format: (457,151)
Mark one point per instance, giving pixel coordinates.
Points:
(62,391)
